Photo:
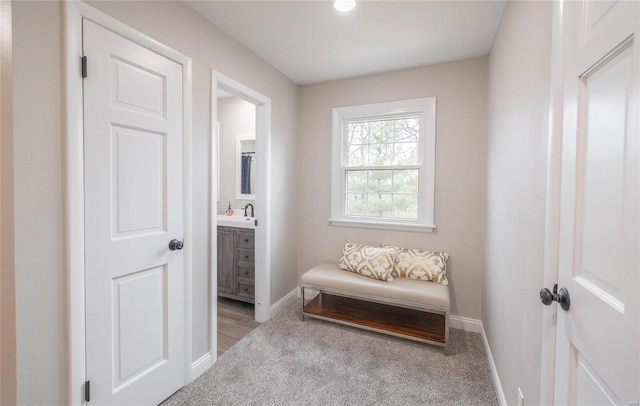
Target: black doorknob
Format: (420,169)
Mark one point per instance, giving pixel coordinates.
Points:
(562,297)
(175,245)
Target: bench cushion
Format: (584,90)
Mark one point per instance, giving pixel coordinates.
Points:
(326,275)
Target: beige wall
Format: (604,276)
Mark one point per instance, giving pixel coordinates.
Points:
(236,117)
(39,191)
(516,183)
(461,91)
(39,204)
(7,266)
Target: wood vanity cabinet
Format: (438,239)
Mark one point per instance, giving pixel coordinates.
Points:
(236,264)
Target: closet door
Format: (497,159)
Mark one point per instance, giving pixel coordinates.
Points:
(598,357)
(135,342)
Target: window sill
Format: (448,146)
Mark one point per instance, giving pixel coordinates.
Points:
(418,228)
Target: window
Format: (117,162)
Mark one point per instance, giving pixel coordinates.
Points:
(384,165)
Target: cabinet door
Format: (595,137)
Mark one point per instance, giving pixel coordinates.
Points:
(226,265)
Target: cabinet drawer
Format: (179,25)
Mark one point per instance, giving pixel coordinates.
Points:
(245,272)
(245,239)
(245,257)
(245,289)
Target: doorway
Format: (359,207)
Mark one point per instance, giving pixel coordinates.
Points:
(240,179)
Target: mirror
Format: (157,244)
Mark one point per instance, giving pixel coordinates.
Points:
(245,167)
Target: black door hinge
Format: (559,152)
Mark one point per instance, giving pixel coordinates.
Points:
(87,391)
(84,67)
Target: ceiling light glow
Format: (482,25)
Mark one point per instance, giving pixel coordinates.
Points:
(344,5)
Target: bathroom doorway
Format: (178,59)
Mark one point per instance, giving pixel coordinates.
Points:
(240,254)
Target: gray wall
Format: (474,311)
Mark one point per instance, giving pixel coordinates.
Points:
(516,188)
(7,231)
(461,142)
(39,182)
(236,117)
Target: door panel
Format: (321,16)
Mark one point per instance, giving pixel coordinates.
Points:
(138,181)
(133,206)
(598,341)
(605,95)
(137,89)
(140,329)
(593,390)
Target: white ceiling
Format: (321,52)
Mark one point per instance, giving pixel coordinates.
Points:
(310,42)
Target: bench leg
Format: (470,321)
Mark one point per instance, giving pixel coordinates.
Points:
(302,308)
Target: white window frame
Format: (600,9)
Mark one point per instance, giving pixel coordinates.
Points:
(425,109)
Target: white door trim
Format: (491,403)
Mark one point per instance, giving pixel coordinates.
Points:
(263,195)
(73,13)
(552,213)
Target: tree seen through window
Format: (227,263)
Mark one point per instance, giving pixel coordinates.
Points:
(382,180)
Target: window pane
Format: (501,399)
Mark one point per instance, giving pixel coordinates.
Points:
(356,181)
(381,154)
(407,130)
(406,153)
(356,204)
(357,155)
(405,181)
(405,206)
(381,131)
(381,181)
(383,166)
(358,133)
(380,205)
(383,142)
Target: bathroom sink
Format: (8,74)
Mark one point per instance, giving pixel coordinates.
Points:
(236,221)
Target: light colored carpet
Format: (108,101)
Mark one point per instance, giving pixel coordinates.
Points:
(289,362)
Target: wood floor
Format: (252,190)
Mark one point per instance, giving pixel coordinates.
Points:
(235,320)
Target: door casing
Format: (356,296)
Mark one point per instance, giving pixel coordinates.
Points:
(73,13)
(263,194)
(552,213)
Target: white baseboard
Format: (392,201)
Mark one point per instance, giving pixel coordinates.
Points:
(465,323)
(282,303)
(200,365)
(492,366)
(475,326)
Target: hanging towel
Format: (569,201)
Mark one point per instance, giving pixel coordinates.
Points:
(246,175)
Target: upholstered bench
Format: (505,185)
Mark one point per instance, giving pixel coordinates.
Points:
(413,309)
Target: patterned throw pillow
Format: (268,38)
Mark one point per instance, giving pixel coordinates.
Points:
(421,265)
(374,262)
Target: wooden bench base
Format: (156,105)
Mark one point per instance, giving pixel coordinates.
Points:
(418,325)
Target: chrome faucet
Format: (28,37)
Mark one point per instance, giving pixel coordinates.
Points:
(245,210)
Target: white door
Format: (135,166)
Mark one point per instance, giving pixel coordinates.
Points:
(597,360)
(133,208)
